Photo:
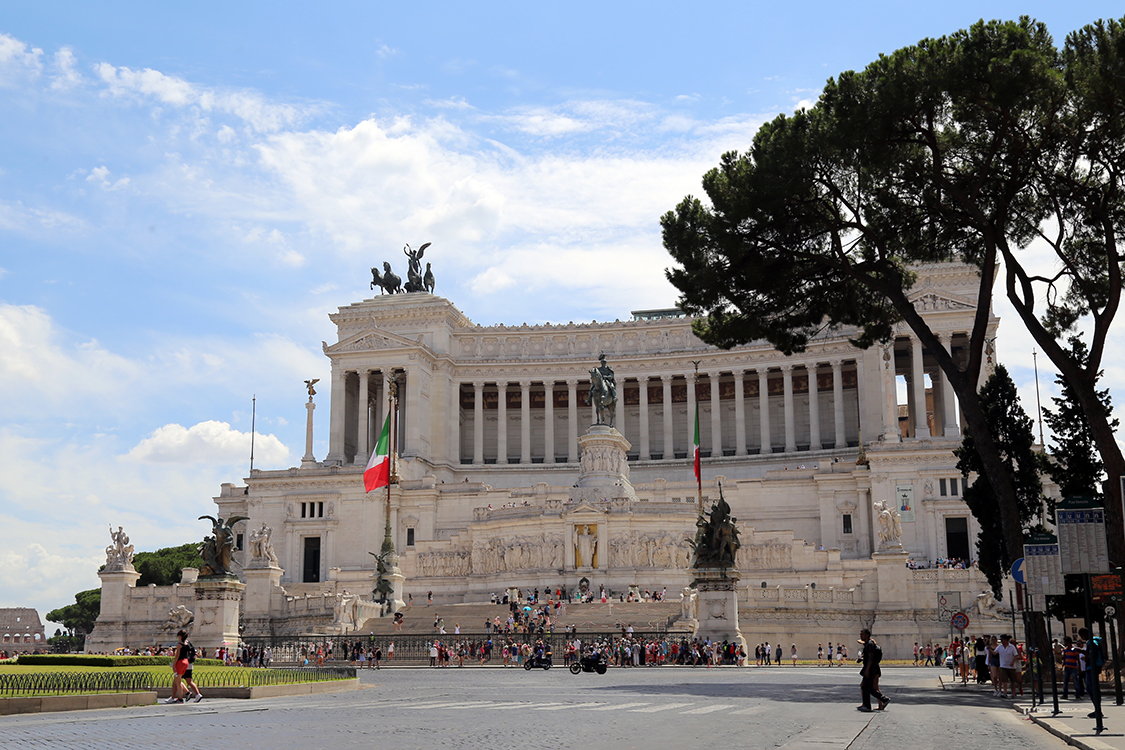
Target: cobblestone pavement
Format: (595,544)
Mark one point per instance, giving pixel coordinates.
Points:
(795,709)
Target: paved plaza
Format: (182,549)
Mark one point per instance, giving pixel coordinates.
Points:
(793,708)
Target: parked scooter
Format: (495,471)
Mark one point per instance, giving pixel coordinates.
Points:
(538,660)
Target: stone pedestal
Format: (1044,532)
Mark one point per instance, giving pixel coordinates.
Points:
(717,605)
(109,629)
(260,582)
(894,589)
(217,604)
(397,580)
(604,466)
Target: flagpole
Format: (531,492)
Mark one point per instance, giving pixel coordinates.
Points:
(388,543)
(695,463)
(253,417)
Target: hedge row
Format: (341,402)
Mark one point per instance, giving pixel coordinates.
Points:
(93,660)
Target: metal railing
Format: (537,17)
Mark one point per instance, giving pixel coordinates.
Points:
(415,647)
(59,683)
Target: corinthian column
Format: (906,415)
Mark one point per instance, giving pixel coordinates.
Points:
(478,423)
(363,407)
(814,408)
(572,420)
(764,408)
(525,421)
(790,426)
(336,415)
(949,399)
(549,421)
(740,412)
(921,425)
(666,383)
(716,416)
(691,410)
(642,383)
(838,402)
(502,423)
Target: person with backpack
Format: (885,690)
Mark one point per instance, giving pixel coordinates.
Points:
(870,671)
(182,668)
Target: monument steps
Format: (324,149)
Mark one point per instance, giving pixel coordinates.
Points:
(419,619)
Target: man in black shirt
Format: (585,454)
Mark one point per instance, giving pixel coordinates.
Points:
(870,672)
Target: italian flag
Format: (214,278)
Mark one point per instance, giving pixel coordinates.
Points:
(695,446)
(378,471)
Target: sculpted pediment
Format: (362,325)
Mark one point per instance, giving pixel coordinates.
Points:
(584,508)
(370,341)
(931,301)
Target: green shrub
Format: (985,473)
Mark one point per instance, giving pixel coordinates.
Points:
(93,660)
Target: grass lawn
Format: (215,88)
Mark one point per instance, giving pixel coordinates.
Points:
(204,676)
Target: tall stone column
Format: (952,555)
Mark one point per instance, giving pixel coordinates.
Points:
(764,409)
(525,422)
(949,399)
(921,425)
(642,384)
(308,459)
(336,415)
(379,411)
(501,423)
(814,407)
(838,402)
(619,407)
(666,384)
(891,432)
(691,410)
(790,424)
(716,416)
(478,422)
(740,412)
(363,406)
(549,422)
(572,420)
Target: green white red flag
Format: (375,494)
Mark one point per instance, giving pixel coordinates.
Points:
(378,471)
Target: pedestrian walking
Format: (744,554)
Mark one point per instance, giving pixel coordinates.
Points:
(870,671)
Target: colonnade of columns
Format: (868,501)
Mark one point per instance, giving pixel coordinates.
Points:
(642,432)
(944,401)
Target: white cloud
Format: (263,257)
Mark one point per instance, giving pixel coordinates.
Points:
(207,442)
(249,106)
(67,75)
(18,61)
(226,134)
(100,177)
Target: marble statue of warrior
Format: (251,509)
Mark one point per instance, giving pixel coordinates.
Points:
(261,548)
(603,391)
(120,553)
(890,523)
(216,550)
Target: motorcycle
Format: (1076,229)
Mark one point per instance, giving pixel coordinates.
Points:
(537,660)
(589,663)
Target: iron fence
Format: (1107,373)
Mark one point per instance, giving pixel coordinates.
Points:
(59,683)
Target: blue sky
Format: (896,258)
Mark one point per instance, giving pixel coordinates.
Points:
(186,194)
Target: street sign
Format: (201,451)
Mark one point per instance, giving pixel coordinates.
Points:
(960,621)
(1017,570)
(1082,542)
(949,602)
(1105,588)
(1042,568)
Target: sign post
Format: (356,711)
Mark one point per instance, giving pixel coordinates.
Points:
(1042,572)
(1083,551)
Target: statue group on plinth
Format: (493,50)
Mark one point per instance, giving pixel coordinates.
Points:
(716,537)
(119,555)
(218,548)
(416,281)
(603,392)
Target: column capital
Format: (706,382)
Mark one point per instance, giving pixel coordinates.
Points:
(642,379)
(666,378)
(944,337)
(502,386)
(837,363)
(786,367)
(478,386)
(572,382)
(548,385)
(525,385)
(812,365)
(739,372)
(714,374)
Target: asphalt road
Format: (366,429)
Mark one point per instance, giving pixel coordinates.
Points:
(792,708)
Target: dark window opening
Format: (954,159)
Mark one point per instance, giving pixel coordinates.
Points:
(957,537)
(311,567)
(847,523)
(410,537)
